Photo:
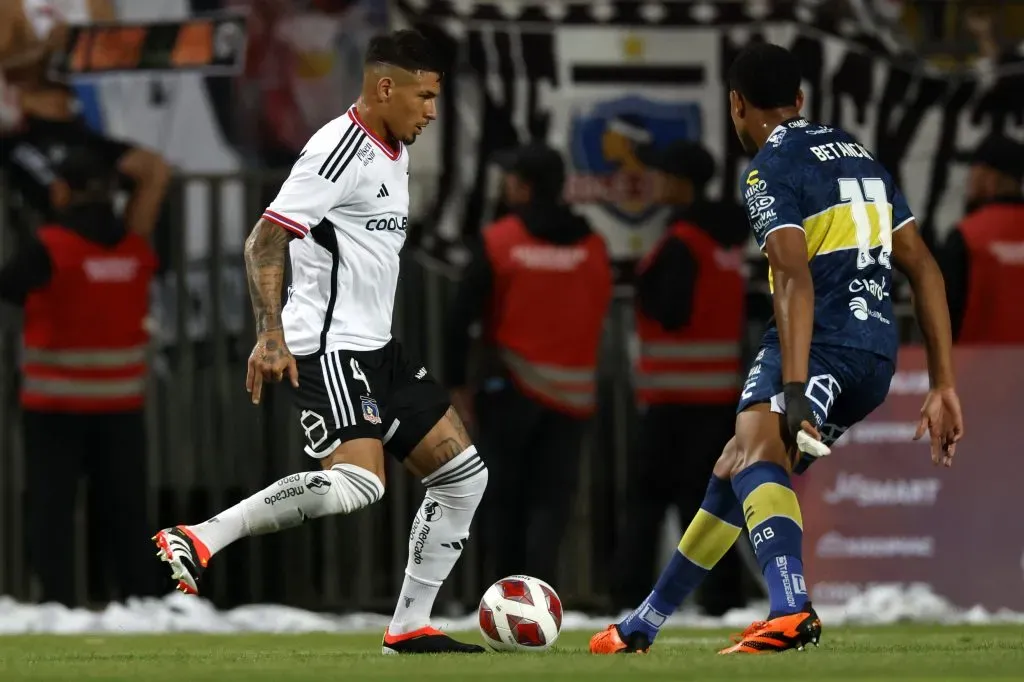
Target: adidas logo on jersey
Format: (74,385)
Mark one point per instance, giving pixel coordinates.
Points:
(421,373)
(383,191)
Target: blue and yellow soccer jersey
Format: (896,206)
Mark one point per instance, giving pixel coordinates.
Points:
(820,180)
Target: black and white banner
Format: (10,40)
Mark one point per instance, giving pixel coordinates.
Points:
(596,80)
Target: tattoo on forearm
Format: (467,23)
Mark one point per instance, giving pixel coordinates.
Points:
(265,252)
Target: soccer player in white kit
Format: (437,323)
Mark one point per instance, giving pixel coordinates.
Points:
(341,217)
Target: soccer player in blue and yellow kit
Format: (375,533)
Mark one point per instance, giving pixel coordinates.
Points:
(832,224)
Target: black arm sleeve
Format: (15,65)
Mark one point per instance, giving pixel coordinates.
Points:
(665,289)
(953,262)
(471,298)
(30,269)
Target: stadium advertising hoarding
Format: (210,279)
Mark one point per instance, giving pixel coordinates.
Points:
(877,510)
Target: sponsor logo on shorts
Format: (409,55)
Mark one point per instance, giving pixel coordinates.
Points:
(315,428)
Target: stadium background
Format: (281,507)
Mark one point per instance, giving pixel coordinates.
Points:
(903,77)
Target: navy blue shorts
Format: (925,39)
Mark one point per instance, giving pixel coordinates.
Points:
(845,386)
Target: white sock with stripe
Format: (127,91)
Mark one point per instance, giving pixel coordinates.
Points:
(341,489)
(438,534)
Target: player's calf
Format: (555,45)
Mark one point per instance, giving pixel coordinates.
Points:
(771,509)
(455,478)
(439,533)
(342,489)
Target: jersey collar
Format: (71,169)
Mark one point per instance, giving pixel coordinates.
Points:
(784,126)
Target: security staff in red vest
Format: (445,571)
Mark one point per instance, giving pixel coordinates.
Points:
(83,282)
(541,283)
(983,258)
(690,317)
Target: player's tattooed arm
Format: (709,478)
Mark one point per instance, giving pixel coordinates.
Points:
(266,252)
(793,299)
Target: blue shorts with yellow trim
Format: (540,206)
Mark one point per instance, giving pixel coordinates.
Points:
(845,386)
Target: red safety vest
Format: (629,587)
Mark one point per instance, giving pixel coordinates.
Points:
(994,313)
(698,364)
(84,341)
(547,312)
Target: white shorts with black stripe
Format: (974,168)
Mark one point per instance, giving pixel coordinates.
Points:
(384,394)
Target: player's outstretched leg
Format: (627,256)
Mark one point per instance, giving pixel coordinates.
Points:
(761,481)
(342,488)
(709,536)
(455,478)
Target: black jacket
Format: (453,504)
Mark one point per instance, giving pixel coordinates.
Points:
(665,289)
(31,269)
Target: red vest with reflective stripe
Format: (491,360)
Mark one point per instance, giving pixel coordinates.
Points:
(547,312)
(700,362)
(994,313)
(84,341)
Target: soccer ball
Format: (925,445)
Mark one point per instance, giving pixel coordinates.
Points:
(520,613)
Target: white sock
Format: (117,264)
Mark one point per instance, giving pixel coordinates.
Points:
(342,489)
(439,532)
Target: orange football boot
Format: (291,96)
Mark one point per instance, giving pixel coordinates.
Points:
(792,631)
(611,641)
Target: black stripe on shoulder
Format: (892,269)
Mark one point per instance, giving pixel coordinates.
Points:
(336,152)
(348,153)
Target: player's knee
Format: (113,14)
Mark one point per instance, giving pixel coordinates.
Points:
(461,483)
(352,488)
(759,438)
(726,461)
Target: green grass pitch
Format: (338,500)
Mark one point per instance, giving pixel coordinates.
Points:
(890,653)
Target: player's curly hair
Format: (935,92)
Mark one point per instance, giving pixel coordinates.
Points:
(766,75)
(407,49)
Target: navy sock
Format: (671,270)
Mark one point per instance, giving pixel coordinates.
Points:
(709,536)
(773,518)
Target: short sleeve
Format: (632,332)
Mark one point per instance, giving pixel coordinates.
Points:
(772,203)
(901,214)
(322,178)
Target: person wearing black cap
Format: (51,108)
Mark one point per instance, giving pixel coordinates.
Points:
(690,315)
(540,280)
(83,282)
(982,259)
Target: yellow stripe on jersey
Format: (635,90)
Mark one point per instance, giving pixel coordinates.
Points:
(835,229)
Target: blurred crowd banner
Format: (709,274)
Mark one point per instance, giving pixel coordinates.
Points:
(214,45)
(599,80)
(877,511)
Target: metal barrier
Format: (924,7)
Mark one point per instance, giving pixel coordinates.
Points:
(209,447)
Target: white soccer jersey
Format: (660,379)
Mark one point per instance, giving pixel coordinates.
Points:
(347,199)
